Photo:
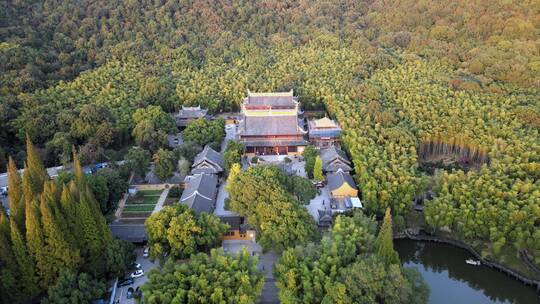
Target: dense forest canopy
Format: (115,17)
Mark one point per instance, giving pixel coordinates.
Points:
(395,74)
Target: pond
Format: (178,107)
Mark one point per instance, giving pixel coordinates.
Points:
(452,281)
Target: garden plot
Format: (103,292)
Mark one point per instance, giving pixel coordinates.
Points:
(141,204)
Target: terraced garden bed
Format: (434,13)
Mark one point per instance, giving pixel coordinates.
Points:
(144,197)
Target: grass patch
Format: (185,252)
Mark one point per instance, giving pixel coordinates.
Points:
(144,197)
(150,199)
(150,192)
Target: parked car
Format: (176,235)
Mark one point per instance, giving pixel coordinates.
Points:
(4,191)
(138,292)
(129,293)
(137,273)
(126,282)
(137,265)
(146,252)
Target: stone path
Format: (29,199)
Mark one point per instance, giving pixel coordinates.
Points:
(120,208)
(161,200)
(270,291)
(220,202)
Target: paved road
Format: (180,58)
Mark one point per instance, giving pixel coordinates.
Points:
(147,265)
(230,134)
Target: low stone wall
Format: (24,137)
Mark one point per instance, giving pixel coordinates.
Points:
(485,261)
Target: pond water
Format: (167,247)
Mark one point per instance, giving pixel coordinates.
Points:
(452,281)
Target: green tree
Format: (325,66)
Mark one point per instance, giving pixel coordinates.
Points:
(117,186)
(385,241)
(260,194)
(317,170)
(28,277)
(98,186)
(152,126)
(187,150)
(138,160)
(61,253)
(8,265)
(203,132)
(310,154)
(345,268)
(233,153)
(34,173)
(74,288)
(36,245)
(119,257)
(164,164)
(179,231)
(214,278)
(16,200)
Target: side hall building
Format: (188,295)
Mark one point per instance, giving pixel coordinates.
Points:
(269,124)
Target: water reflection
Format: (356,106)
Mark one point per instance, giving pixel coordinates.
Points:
(452,281)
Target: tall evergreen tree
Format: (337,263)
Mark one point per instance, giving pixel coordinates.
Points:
(385,241)
(36,245)
(77,169)
(62,255)
(317,169)
(6,253)
(71,217)
(34,174)
(25,263)
(16,202)
(8,265)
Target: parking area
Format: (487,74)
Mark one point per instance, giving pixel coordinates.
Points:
(234,246)
(147,265)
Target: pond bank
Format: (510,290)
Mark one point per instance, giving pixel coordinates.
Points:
(451,280)
(486,262)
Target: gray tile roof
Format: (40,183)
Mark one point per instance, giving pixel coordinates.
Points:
(207,161)
(174,140)
(192,112)
(200,192)
(325,217)
(271,99)
(336,180)
(270,125)
(134,233)
(334,159)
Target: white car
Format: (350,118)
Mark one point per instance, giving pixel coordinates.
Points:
(137,274)
(145,252)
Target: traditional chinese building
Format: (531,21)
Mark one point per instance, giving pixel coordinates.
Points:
(207,161)
(200,192)
(323,132)
(188,114)
(334,159)
(341,185)
(269,124)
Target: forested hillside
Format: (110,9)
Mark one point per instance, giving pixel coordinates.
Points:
(451,80)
